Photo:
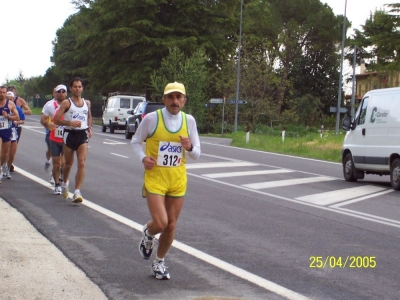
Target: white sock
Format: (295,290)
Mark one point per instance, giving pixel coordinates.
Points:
(48,161)
(77,191)
(157,259)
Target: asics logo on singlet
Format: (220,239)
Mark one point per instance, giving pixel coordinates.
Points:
(169,148)
(79,117)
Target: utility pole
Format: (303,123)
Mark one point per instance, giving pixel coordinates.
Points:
(353,95)
(238,65)
(341,71)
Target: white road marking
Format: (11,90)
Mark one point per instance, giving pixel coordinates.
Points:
(119,155)
(219,157)
(355,214)
(288,182)
(331,197)
(247,173)
(370,216)
(250,277)
(219,165)
(362,198)
(112,142)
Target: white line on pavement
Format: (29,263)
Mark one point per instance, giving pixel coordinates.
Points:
(288,182)
(119,155)
(247,173)
(266,284)
(213,165)
(331,197)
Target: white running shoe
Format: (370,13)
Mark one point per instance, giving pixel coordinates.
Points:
(4,169)
(51,180)
(8,174)
(159,270)
(77,197)
(57,189)
(47,167)
(64,190)
(146,244)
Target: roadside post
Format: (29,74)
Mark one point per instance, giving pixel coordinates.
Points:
(223,113)
(283,133)
(247,134)
(37,97)
(219,101)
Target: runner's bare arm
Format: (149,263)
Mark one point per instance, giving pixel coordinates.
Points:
(90,131)
(25,107)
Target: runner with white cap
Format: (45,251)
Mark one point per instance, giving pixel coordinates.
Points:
(55,142)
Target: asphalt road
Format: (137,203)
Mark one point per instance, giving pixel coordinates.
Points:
(254,225)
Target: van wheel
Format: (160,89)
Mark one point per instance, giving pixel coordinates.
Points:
(103,128)
(349,171)
(111,128)
(128,135)
(395,174)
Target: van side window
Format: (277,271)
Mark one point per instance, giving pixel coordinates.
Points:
(125,103)
(363,111)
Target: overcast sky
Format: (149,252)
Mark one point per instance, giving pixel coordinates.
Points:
(29,27)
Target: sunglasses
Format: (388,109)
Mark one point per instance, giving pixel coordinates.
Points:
(62,91)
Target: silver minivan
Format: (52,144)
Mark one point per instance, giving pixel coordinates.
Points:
(116,110)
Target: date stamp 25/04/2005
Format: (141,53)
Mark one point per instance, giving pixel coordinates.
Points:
(321,262)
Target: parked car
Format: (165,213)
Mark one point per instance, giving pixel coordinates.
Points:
(371,145)
(116,110)
(141,110)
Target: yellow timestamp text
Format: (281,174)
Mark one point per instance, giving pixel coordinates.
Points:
(321,262)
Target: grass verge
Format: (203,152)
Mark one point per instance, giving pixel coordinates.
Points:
(328,147)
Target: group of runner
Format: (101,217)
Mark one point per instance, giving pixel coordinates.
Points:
(12,115)
(68,125)
(69,120)
(68,129)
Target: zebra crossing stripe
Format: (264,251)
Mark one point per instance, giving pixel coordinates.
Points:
(288,182)
(247,173)
(329,198)
(213,165)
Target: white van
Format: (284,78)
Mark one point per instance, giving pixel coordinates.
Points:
(116,110)
(372,142)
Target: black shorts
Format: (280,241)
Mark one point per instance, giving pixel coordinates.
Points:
(74,138)
(19,131)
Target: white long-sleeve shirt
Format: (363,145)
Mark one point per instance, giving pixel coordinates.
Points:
(173,123)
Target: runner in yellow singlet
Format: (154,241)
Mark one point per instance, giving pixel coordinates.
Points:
(170,136)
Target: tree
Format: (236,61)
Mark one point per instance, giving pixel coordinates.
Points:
(378,41)
(191,71)
(290,30)
(118,44)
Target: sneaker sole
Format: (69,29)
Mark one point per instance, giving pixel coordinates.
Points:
(141,253)
(77,200)
(161,277)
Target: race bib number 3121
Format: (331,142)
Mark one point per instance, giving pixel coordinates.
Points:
(169,154)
